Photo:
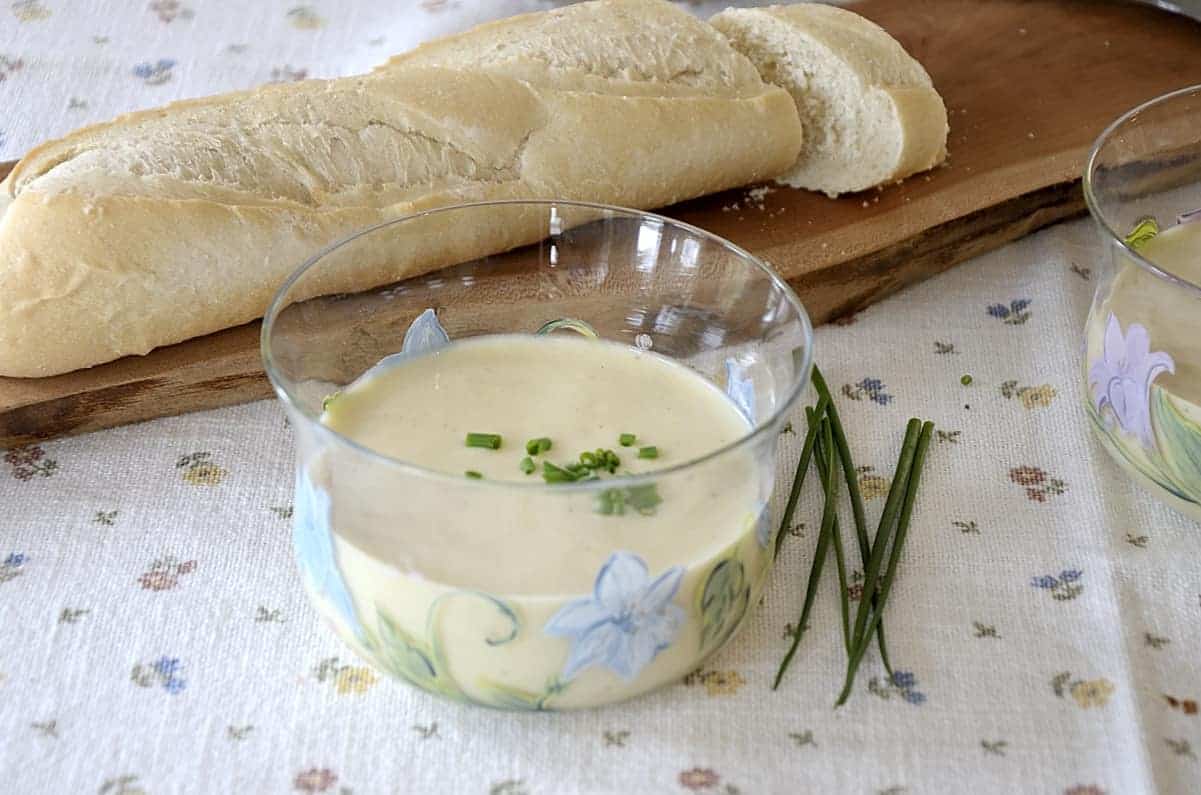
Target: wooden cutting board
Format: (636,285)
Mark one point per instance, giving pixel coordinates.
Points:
(1029,84)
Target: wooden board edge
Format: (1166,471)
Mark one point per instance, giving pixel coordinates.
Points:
(869,278)
(126,404)
(862,281)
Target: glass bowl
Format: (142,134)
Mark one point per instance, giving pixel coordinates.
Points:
(617,621)
(1142,363)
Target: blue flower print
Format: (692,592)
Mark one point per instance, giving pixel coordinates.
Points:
(870,388)
(154,74)
(1014,315)
(1064,588)
(168,669)
(902,684)
(315,548)
(625,623)
(11,569)
(165,671)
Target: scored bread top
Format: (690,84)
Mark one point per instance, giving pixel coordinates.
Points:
(319,143)
(643,47)
(172,223)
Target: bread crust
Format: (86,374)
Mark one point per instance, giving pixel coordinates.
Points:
(175,222)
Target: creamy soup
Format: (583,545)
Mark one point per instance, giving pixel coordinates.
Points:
(558,573)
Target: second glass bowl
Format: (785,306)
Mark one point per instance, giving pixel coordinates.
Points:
(1143,336)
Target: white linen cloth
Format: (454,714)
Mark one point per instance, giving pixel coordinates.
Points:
(154,637)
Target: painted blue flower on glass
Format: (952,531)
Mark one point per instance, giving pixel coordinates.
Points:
(763,530)
(625,623)
(315,547)
(740,389)
(424,335)
(1121,378)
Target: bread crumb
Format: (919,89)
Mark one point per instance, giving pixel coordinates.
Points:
(1107,42)
(865,202)
(1021,31)
(755,197)
(1030,135)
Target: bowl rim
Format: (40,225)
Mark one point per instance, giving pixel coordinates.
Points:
(768,425)
(1093,203)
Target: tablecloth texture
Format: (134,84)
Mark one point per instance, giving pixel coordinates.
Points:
(154,637)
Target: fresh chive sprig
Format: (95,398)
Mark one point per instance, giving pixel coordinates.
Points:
(885,588)
(852,477)
(827,447)
(830,490)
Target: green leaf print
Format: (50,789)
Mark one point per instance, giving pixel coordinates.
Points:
(723,601)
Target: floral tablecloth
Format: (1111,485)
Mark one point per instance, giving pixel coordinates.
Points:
(154,637)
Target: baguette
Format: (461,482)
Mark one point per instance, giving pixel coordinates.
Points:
(870,112)
(176,222)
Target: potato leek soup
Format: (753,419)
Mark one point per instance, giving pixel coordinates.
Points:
(553,553)
(1144,364)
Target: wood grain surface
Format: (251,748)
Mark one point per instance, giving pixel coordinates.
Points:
(1029,84)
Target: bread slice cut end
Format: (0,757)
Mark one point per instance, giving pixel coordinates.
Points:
(859,132)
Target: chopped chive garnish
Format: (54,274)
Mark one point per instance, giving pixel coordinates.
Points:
(644,499)
(471,473)
(610,502)
(648,452)
(329,399)
(537,446)
(488,441)
(627,439)
(552,473)
(588,460)
(527,465)
(1145,229)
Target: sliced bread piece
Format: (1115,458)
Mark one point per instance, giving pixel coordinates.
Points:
(868,110)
